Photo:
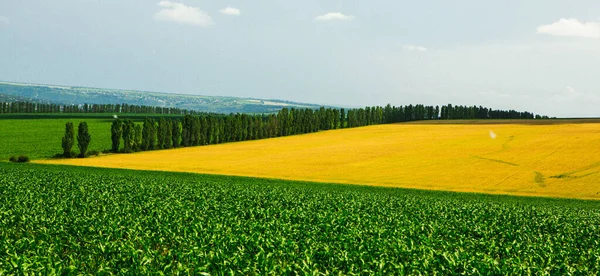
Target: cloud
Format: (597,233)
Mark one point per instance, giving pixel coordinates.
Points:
(416,48)
(182,14)
(230,11)
(569,94)
(4,20)
(571,27)
(492,94)
(570,102)
(334,16)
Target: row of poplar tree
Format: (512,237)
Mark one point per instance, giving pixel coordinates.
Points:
(83,139)
(206,129)
(30,107)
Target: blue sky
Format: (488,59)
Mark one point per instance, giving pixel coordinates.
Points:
(537,55)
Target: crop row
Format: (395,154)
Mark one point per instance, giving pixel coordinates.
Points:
(81,220)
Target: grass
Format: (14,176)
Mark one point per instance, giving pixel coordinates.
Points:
(555,160)
(41,138)
(78,220)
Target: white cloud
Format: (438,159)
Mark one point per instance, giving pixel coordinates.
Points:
(492,94)
(416,48)
(585,103)
(334,16)
(4,20)
(569,94)
(230,11)
(571,27)
(182,14)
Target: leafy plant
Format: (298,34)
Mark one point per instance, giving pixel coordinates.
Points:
(67,220)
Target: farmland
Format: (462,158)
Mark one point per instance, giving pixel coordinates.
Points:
(86,220)
(534,158)
(39,136)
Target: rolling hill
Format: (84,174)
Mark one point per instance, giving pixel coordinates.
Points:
(80,95)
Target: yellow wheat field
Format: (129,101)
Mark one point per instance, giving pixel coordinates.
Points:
(561,160)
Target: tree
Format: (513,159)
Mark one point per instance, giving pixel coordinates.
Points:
(116,130)
(137,138)
(149,134)
(128,135)
(83,138)
(68,140)
(336,118)
(162,134)
(186,133)
(176,133)
(168,134)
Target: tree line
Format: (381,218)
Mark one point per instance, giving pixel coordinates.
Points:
(450,112)
(207,129)
(355,117)
(31,107)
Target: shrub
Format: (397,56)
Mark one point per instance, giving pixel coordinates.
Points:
(20,159)
(23,159)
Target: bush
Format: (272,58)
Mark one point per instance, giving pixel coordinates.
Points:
(20,159)
(23,159)
(93,152)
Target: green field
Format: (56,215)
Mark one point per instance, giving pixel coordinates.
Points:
(75,220)
(39,136)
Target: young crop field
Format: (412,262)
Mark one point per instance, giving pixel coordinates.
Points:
(77,220)
(556,159)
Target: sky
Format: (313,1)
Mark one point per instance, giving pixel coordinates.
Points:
(541,56)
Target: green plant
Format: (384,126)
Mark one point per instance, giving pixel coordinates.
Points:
(75,220)
(38,137)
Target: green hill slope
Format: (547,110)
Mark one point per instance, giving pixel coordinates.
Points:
(80,95)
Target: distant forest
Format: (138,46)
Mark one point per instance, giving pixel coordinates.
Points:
(354,117)
(32,108)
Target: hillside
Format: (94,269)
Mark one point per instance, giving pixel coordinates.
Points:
(80,95)
(12,98)
(556,160)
